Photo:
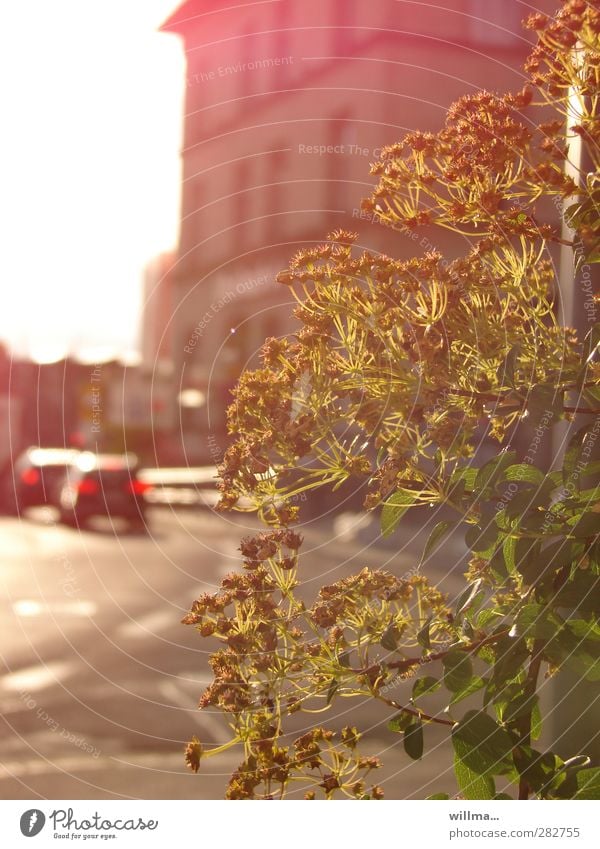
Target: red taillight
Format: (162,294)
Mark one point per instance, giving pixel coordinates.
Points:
(87,487)
(138,487)
(30,476)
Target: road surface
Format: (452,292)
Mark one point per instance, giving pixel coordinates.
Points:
(99,681)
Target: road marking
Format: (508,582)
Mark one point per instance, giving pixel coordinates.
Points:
(72,766)
(156,620)
(347,525)
(27,607)
(161,618)
(30,679)
(198,679)
(205,720)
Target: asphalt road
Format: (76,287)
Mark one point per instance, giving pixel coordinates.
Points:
(99,681)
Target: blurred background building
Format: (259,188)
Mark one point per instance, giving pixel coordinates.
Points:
(286,105)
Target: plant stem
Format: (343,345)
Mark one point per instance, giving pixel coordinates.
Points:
(407,664)
(415,712)
(590,411)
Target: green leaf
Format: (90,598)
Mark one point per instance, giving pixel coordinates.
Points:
(592,343)
(573,454)
(394,509)
(458,670)
(487,616)
(482,744)
(466,627)
(591,396)
(425,685)
(545,402)
(587,525)
(506,371)
(519,706)
(580,656)
(475,684)
(522,473)
(490,472)
(423,634)
(511,654)
(509,551)
(333,688)
(481,538)
(593,552)
(399,723)
(413,740)
(537,768)
(524,502)
(572,214)
(588,784)
(581,593)
(536,620)
(556,555)
(390,637)
(465,599)
(586,499)
(585,628)
(536,722)
(578,213)
(545,563)
(441,530)
(516,551)
(466,476)
(471,784)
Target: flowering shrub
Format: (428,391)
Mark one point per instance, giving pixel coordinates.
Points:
(396,367)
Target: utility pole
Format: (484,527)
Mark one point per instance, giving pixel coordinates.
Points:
(576,702)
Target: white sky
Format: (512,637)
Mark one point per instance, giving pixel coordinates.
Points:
(91,106)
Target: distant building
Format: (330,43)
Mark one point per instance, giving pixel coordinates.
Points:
(287,103)
(11,440)
(156,329)
(48,398)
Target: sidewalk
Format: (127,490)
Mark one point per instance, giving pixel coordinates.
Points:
(34,769)
(135,775)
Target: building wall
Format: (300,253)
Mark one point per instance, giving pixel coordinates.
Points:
(158,300)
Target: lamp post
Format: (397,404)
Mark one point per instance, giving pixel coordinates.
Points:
(576,702)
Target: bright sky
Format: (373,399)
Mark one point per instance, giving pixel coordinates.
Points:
(91,99)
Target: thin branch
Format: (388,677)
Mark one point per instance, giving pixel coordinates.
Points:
(408,663)
(416,712)
(591,411)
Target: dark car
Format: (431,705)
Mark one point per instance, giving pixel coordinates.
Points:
(103,485)
(35,477)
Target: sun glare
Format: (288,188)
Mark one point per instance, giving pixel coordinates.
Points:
(92,102)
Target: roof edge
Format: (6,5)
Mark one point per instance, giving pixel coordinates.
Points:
(180,17)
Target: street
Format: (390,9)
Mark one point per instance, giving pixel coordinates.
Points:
(100,681)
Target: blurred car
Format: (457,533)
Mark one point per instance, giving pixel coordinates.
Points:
(35,477)
(188,486)
(103,485)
